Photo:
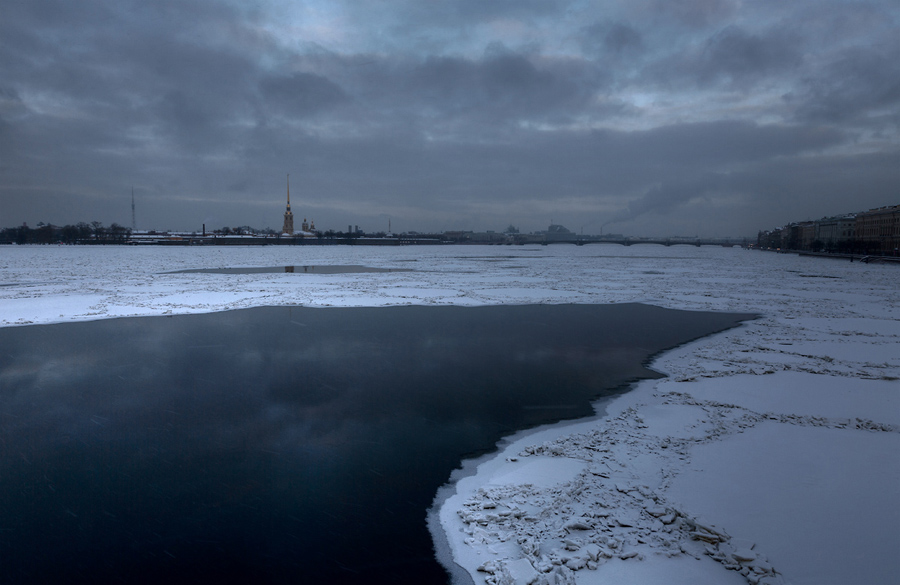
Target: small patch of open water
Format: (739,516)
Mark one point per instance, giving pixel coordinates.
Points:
(283,444)
(324,269)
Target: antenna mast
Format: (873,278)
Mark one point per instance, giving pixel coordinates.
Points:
(133,223)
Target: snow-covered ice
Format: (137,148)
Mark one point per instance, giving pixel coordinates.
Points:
(768,454)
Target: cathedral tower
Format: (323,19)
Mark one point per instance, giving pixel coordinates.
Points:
(288,216)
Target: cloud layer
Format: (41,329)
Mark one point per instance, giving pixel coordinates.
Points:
(709,117)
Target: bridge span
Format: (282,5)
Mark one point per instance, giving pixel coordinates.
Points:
(724,242)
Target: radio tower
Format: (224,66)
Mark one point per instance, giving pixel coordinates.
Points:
(133,223)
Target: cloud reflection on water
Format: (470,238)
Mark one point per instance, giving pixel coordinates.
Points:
(238,444)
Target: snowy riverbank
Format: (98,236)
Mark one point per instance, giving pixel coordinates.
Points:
(767,455)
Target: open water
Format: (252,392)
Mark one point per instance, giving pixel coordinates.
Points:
(283,444)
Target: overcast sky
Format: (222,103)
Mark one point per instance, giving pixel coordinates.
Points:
(642,117)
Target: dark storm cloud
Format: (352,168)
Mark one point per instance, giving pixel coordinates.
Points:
(621,38)
(674,162)
(121,71)
(858,82)
(736,53)
(300,94)
(501,87)
(611,40)
(467,114)
(713,143)
(697,13)
(11,107)
(461,13)
(730,56)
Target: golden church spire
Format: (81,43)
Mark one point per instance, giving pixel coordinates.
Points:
(288,227)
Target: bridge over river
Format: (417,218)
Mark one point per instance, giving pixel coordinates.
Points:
(724,242)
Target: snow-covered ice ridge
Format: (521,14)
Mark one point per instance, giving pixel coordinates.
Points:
(768,454)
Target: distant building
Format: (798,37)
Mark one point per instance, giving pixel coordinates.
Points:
(558,233)
(807,235)
(489,237)
(769,239)
(288,228)
(878,230)
(833,231)
(307,228)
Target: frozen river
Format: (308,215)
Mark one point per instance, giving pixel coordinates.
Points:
(714,473)
(56,284)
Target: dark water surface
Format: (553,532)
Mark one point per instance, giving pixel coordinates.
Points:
(282,445)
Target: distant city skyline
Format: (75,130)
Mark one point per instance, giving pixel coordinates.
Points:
(644,117)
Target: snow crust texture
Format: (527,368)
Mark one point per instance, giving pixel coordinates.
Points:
(768,455)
